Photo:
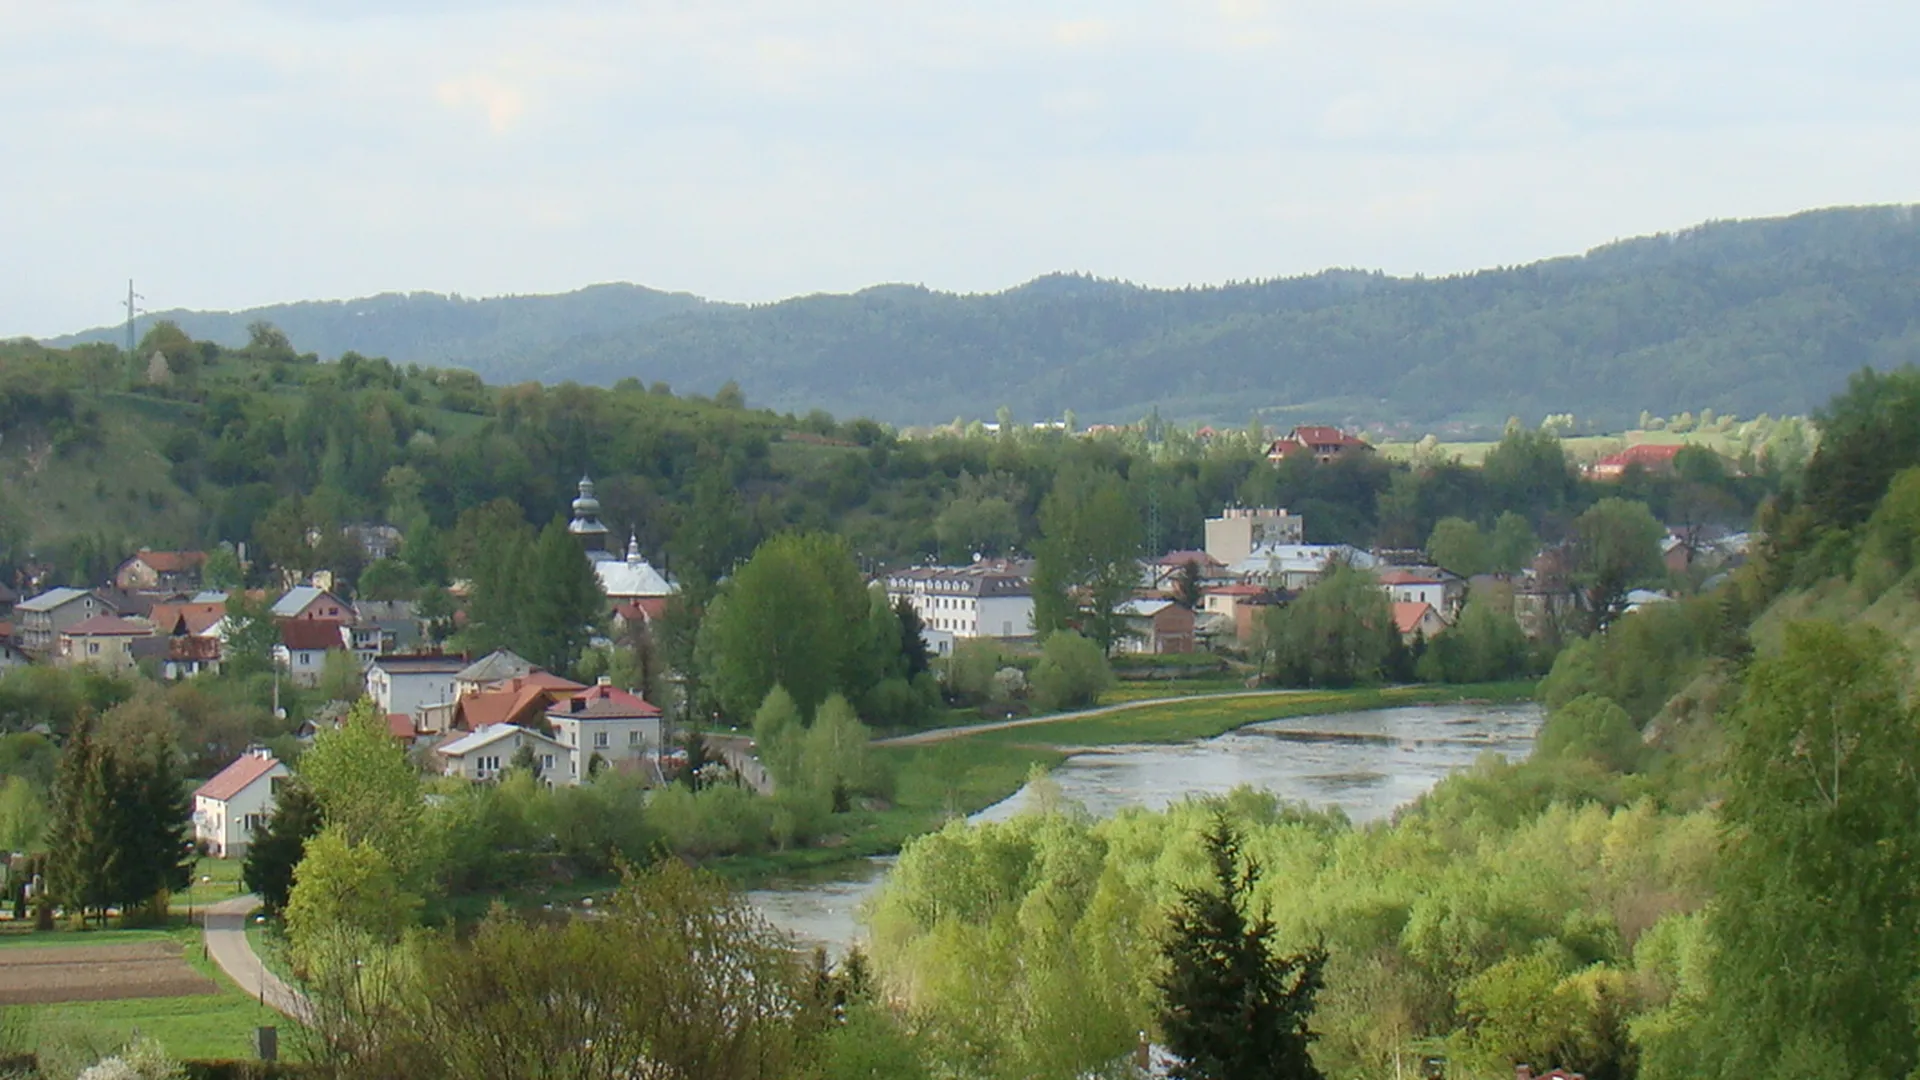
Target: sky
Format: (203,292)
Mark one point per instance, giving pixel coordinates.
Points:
(228,154)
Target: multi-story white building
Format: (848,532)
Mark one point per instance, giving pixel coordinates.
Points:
(987,599)
(602,720)
(1238,530)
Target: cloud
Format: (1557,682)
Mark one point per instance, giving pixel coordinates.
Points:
(503,105)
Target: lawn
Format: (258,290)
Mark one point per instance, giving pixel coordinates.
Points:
(214,880)
(217,1025)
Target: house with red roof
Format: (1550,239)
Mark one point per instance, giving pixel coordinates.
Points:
(230,809)
(304,645)
(1417,619)
(602,721)
(1653,457)
(1425,585)
(520,700)
(160,571)
(1323,444)
(1163,575)
(104,641)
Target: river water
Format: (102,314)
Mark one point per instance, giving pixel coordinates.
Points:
(1368,764)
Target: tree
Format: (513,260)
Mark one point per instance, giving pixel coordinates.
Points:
(368,792)
(1591,728)
(913,639)
(120,815)
(1186,588)
(1528,471)
(777,732)
(1818,932)
(1231,1009)
(1071,674)
(1337,633)
(342,884)
(222,569)
(82,853)
(795,615)
(1513,544)
(1458,545)
(1087,559)
(251,635)
(387,579)
(341,678)
(23,815)
(834,755)
(280,844)
(1616,545)
(1484,644)
(562,602)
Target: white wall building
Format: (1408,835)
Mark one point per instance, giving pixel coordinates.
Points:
(230,808)
(482,754)
(619,726)
(408,684)
(1238,530)
(987,599)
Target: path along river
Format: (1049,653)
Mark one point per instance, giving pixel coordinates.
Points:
(1368,764)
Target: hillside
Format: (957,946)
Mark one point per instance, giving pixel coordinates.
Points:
(1740,317)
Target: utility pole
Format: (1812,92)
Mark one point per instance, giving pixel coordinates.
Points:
(132,314)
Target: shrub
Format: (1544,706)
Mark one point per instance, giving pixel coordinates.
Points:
(1072,672)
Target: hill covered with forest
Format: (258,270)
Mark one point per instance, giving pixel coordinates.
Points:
(1741,317)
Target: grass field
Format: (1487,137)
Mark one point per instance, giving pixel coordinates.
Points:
(216,1025)
(1581,448)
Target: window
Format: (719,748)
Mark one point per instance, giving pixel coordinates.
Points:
(93,647)
(276,783)
(633,738)
(600,740)
(489,763)
(546,763)
(250,823)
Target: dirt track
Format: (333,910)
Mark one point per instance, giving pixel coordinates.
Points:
(41,975)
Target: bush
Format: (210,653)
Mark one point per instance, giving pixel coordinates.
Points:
(1590,727)
(722,820)
(1071,674)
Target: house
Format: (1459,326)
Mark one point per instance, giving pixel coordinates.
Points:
(1293,567)
(1156,626)
(639,613)
(992,598)
(1165,573)
(11,655)
(490,670)
(1425,585)
(185,656)
(1653,457)
(1238,530)
(408,684)
(618,727)
(631,578)
(41,620)
(1417,618)
(484,754)
(230,808)
(1250,612)
(312,602)
(161,571)
(174,619)
(304,645)
(384,627)
(103,641)
(1323,444)
(1223,599)
(520,700)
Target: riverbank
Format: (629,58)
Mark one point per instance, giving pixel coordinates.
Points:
(943,775)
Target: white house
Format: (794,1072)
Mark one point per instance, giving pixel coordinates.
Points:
(408,684)
(231,807)
(1444,591)
(1294,567)
(987,599)
(304,645)
(618,726)
(482,754)
(312,602)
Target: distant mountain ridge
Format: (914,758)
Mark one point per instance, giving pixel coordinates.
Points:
(1768,315)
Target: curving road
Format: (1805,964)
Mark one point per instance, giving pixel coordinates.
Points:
(227,945)
(919,738)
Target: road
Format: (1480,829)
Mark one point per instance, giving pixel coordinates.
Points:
(227,945)
(921,738)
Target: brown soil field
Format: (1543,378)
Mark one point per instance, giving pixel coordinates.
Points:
(44,975)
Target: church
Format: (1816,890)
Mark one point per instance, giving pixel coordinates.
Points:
(627,582)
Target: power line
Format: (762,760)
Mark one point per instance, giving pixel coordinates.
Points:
(132,314)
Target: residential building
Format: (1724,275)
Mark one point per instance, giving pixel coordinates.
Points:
(1425,585)
(520,700)
(11,655)
(1156,626)
(1293,567)
(186,618)
(304,645)
(484,754)
(639,613)
(103,641)
(1238,530)
(385,627)
(231,808)
(1223,599)
(161,571)
(39,622)
(623,729)
(409,684)
(1165,573)
(491,670)
(1653,457)
(988,599)
(1250,612)
(1323,444)
(1417,619)
(312,602)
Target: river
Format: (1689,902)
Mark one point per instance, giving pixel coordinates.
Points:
(1368,764)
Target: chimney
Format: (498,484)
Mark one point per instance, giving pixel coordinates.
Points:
(604,680)
(1523,1072)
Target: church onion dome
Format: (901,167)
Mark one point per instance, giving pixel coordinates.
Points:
(586,511)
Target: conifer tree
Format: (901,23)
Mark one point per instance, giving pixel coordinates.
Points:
(81,854)
(281,844)
(1231,1009)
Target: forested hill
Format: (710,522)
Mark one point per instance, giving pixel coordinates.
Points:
(1741,317)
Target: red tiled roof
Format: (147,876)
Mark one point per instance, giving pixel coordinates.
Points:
(1325,436)
(107,626)
(515,701)
(193,648)
(234,779)
(1410,577)
(1642,454)
(400,725)
(604,701)
(172,562)
(311,634)
(1182,558)
(1407,615)
(199,618)
(1234,590)
(642,609)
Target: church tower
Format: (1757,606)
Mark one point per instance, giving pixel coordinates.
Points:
(586,522)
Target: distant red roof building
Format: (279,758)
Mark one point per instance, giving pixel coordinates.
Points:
(605,701)
(1323,444)
(160,570)
(519,700)
(310,634)
(234,779)
(1417,619)
(185,618)
(1653,457)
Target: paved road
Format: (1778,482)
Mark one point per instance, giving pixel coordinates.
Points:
(226,924)
(920,738)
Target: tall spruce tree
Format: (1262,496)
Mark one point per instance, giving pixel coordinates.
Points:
(1231,1009)
(281,844)
(82,857)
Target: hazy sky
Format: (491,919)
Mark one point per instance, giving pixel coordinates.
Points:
(231,154)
